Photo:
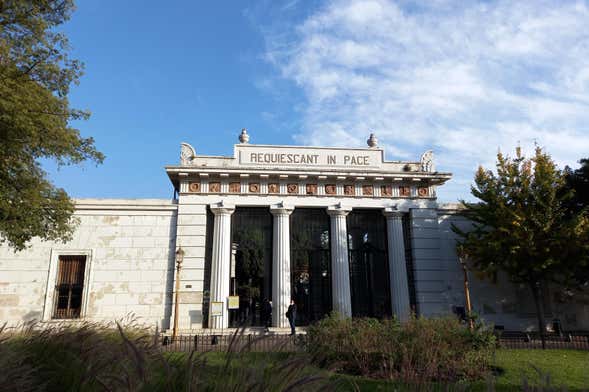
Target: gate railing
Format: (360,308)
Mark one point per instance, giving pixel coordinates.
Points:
(235,343)
(297,343)
(532,340)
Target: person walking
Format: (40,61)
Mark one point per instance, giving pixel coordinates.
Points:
(291,315)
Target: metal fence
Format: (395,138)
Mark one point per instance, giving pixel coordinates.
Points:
(531,340)
(288,343)
(235,343)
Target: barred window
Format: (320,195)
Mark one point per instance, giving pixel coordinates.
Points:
(69,287)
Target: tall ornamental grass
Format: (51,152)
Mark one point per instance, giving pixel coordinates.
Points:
(419,351)
(96,357)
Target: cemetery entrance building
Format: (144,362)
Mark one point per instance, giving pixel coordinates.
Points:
(335,229)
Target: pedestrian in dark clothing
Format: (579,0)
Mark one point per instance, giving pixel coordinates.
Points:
(267,314)
(291,315)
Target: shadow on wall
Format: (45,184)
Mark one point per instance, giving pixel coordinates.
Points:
(168,300)
(32,316)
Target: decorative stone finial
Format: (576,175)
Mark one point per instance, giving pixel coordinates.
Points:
(187,154)
(372,141)
(427,162)
(244,138)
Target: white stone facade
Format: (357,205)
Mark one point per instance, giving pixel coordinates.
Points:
(129,245)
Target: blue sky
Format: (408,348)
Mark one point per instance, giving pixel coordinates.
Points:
(462,78)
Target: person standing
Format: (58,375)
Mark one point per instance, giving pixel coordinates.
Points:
(291,315)
(267,314)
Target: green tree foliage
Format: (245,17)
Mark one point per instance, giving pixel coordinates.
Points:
(578,181)
(35,121)
(522,226)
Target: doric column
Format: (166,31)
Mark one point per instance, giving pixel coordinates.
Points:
(397,265)
(220,263)
(280,265)
(340,264)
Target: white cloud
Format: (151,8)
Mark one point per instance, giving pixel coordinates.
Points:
(465,79)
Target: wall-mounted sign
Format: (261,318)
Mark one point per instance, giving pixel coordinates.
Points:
(216,308)
(233,302)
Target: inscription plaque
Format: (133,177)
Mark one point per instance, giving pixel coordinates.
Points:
(309,156)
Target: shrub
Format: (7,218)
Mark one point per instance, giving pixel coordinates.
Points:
(421,350)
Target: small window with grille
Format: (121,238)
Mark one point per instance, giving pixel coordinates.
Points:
(69,287)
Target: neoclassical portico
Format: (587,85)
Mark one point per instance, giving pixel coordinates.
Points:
(281,277)
(342,184)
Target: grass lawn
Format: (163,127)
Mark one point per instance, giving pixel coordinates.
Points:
(568,368)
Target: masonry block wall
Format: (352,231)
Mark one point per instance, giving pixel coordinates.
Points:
(429,271)
(501,303)
(453,274)
(498,303)
(192,219)
(129,246)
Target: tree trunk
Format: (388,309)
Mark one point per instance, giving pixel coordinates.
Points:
(537,293)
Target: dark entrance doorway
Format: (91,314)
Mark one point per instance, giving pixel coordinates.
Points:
(310,264)
(369,272)
(251,269)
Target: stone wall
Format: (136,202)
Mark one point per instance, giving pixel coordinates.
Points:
(500,303)
(428,268)
(130,249)
(192,228)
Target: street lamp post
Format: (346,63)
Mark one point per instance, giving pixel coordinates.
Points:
(179,259)
(462,258)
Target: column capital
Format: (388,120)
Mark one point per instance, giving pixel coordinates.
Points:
(222,208)
(281,209)
(338,210)
(392,213)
